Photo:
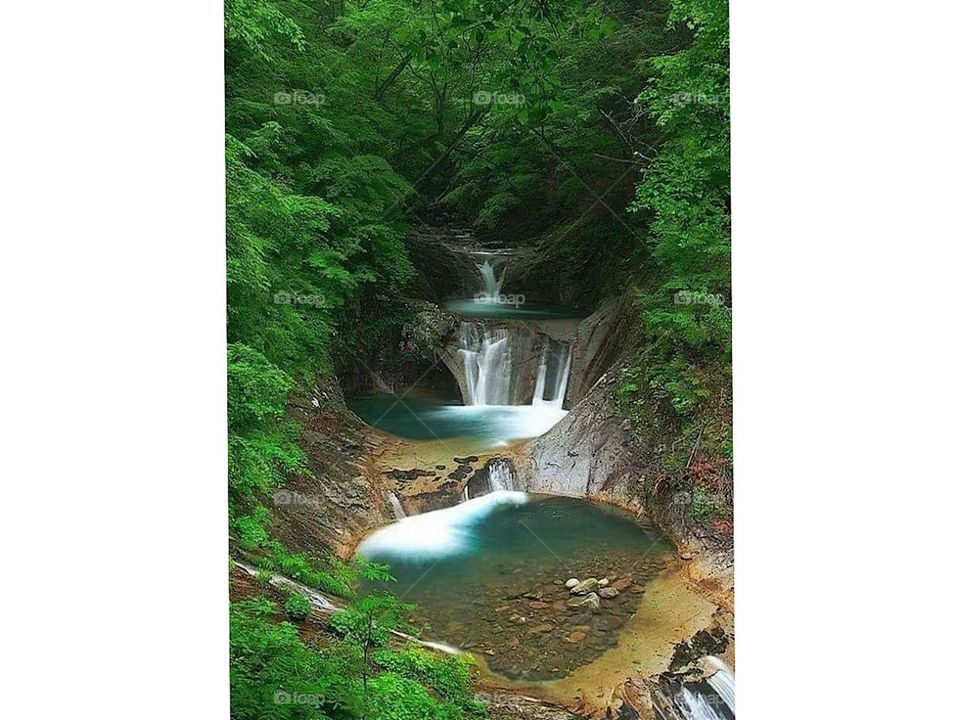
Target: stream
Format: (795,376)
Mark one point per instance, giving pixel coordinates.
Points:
(536,586)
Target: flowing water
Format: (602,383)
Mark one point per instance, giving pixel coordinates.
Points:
(492,426)
(488,576)
(514,383)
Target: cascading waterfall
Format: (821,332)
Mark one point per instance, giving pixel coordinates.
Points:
(694,703)
(723,683)
(491,357)
(486,363)
(491,283)
(500,475)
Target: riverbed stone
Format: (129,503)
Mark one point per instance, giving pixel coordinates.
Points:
(603,582)
(608,592)
(590,602)
(576,636)
(572,582)
(584,587)
(622,584)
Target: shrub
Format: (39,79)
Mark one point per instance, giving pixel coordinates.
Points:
(298,607)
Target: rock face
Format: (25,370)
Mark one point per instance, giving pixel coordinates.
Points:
(590,451)
(595,349)
(343,498)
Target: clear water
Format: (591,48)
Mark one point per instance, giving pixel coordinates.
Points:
(488,576)
(421,419)
(509,310)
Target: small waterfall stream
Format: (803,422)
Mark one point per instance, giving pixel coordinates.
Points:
(491,283)
(698,703)
(552,388)
(499,477)
(398,513)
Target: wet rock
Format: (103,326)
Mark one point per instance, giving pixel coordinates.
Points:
(572,583)
(603,582)
(590,602)
(608,592)
(584,587)
(461,473)
(465,460)
(406,475)
(576,636)
(538,605)
(622,584)
(441,467)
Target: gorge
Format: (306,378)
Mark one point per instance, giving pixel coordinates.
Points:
(480,456)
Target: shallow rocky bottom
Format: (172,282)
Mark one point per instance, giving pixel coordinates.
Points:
(529,626)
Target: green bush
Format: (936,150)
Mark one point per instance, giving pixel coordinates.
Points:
(298,607)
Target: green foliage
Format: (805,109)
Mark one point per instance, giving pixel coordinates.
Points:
(687,189)
(708,506)
(298,607)
(270,667)
(447,675)
(682,371)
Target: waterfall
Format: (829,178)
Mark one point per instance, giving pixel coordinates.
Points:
(695,706)
(395,505)
(500,475)
(495,371)
(491,284)
(486,363)
(552,388)
(723,683)
(696,702)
